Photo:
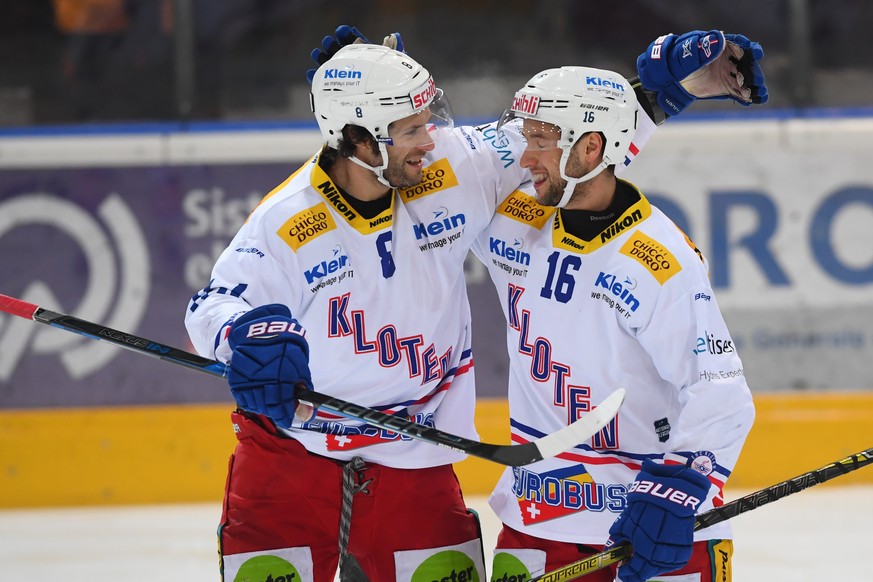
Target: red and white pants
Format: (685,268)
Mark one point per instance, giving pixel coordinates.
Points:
(281,516)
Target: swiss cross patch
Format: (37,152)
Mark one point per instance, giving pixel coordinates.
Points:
(348,442)
(539,511)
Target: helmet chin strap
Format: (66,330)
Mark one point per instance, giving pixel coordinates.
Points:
(573,182)
(379,171)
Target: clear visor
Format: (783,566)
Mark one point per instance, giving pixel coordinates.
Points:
(417,129)
(537,135)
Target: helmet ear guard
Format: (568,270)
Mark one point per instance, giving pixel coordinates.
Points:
(571,102)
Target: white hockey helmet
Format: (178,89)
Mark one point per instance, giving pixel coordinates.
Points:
(372,86)
(578,100)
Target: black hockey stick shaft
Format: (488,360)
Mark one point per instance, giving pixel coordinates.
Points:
(720,514)
(510,455)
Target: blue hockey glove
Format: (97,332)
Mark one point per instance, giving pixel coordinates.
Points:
(346,35)
(658,521)
(702,65)
(270,359)
(748,66)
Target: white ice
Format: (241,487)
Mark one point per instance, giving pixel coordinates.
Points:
(814,535)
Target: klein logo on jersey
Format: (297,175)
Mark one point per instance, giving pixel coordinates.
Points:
(652,255)
(511,252)
(271,329)
(421,97)
(524,103)
(620,291)
(442,223)
(436,177)
(646,487)
(306,226)
(325,268)
(523,208)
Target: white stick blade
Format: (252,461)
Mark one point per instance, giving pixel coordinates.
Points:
(582,429)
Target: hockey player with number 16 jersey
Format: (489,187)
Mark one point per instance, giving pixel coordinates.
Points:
(601,290)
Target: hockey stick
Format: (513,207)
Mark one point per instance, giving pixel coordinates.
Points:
(720,514)
(511,455)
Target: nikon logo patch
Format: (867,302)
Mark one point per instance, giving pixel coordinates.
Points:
(437,176)
(652,255)
(523,208)
(307,225)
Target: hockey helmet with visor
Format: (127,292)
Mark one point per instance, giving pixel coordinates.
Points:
(373,86)
(558,106)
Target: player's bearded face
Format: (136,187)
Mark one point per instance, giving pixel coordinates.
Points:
(552,190)
(404,166)
(412,141)
(542,157)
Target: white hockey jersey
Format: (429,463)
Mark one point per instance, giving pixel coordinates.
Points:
(383,300)
(632,308)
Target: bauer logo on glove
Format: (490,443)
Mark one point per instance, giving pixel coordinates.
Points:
(269,364)
(271,329)
(667,493)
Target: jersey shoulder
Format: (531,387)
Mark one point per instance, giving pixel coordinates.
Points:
(658,249)
(296,193)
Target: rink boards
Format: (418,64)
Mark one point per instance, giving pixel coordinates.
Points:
(164,454)
(123,228)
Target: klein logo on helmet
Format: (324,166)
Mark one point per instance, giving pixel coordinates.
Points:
(601,82)
(524,103)
(342,74)
(270,329)
(423,96)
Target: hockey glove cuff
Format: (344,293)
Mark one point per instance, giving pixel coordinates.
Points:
(270,360)
(658,520)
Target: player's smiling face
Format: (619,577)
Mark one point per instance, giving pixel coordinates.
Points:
(412,141)
(542,157)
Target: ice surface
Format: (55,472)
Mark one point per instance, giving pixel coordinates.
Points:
(818,534)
